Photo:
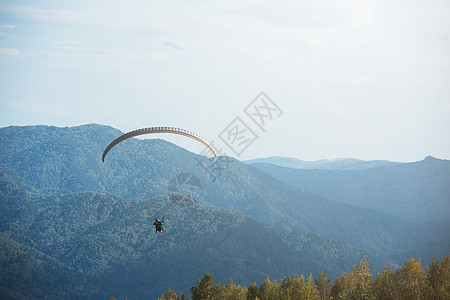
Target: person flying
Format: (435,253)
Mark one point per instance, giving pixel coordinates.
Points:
(158,225)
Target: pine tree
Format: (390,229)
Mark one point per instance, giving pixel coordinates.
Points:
(269,290)
(338,287)
(357,284)
(385,285)
(411,280)
(438,279)
(323,286)
(293,287)
(171,295)
(204,288)
(233,292)
(252,293)
(311,289)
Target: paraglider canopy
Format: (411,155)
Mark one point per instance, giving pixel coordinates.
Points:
(150,130)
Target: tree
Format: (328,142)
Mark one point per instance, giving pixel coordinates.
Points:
(338,287)
(408,282)
(385,285)
(293,287)
(438,279)
(171,295)
(269,290)
(357,284)
(252,293)
(311,289)
(323,285)
(204,288)
(233,292)
(363,281)
(411,280)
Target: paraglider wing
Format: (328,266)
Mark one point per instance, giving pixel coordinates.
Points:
(149,130)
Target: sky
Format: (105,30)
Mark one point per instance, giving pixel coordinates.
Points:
(313,79)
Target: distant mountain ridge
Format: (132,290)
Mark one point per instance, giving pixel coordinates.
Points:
(323,164)
(418,192)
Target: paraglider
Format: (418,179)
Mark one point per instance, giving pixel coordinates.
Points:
(158,223)
(150,130)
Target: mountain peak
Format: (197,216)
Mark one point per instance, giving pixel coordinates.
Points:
(430,158)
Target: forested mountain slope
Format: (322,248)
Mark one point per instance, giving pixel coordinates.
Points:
(29,274)
(64,160)
(418,192)
(113,241)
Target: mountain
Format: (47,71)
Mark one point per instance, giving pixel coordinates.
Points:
(426,252)
(323,164)
(331,254)
(417,191)
(68,160)
(112,241)
(29,274)
(94,218)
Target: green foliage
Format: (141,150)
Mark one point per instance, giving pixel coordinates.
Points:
(295,287)
(323,285)
(171,295)
(233,291)
(408,282)
(411,280)
(269,290)
(252,293)
(356,284)
(206,288)
(385,284)
(292,287)
(438,279)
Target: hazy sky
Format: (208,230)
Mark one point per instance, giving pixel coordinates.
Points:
(363,79)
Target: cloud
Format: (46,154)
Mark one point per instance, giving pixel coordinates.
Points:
(9,52)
